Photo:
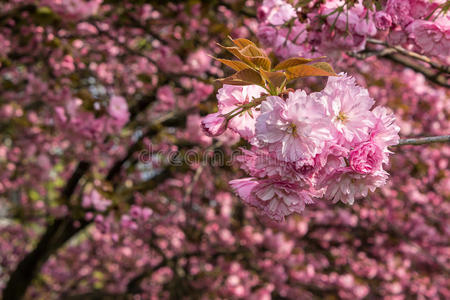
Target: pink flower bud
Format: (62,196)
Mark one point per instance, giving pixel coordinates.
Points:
(214,124)
(366,158)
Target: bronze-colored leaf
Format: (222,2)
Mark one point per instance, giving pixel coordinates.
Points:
(236,52)
(234,64)
(276,78)
(242,43)
(324,66)
(231,81)
(244,77)
(292,62)
(261,61)
(308,70)
(252,51)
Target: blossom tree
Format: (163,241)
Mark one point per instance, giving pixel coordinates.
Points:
(314,165)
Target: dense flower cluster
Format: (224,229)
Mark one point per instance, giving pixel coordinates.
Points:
(331,143)
(332,26)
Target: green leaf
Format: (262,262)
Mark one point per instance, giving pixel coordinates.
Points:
(44,10)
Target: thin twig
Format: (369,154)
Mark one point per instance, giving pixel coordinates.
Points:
(424,140)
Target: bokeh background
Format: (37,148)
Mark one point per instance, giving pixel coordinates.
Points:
(110,190)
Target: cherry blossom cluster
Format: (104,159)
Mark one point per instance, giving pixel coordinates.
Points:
(314,28)
(330,144)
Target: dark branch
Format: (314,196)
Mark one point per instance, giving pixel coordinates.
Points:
(399,49)
(56,235)
(436,76)
(62,229)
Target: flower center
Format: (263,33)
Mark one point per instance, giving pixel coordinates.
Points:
(342,117)
(293,129)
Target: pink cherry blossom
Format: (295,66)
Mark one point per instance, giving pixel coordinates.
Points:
(96,200)
(118,109)
(345,30)
(267,34)
(74,9)
(261,163)
(278,12)
(343,184)
(356,20)
(365,158)
(231,97)
(383,20)
(348,107)
(244,186)
(214,124)
(295,129)
(5,46)
(166,97)
(199,61)
(385,131)
(400,11)
(421,9)
(275,198)
(432,37)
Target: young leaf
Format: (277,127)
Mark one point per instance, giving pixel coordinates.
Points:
(236,52)
(242,43)
(261,61)
(252,51)
(318,69)
(291,62)
(276,78)
(295,61)
(244,77)
(324,66)
(234,64)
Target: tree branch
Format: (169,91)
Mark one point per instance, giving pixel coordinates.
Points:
(438,77)
(424,140)
(55,236)
(399,49)
(429,74)
(62,229)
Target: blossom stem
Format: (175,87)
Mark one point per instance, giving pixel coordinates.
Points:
(237,111)
(228,115)
(424,140)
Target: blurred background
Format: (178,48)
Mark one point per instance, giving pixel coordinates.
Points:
(110,190)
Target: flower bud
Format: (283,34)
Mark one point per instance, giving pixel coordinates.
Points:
(214,124)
